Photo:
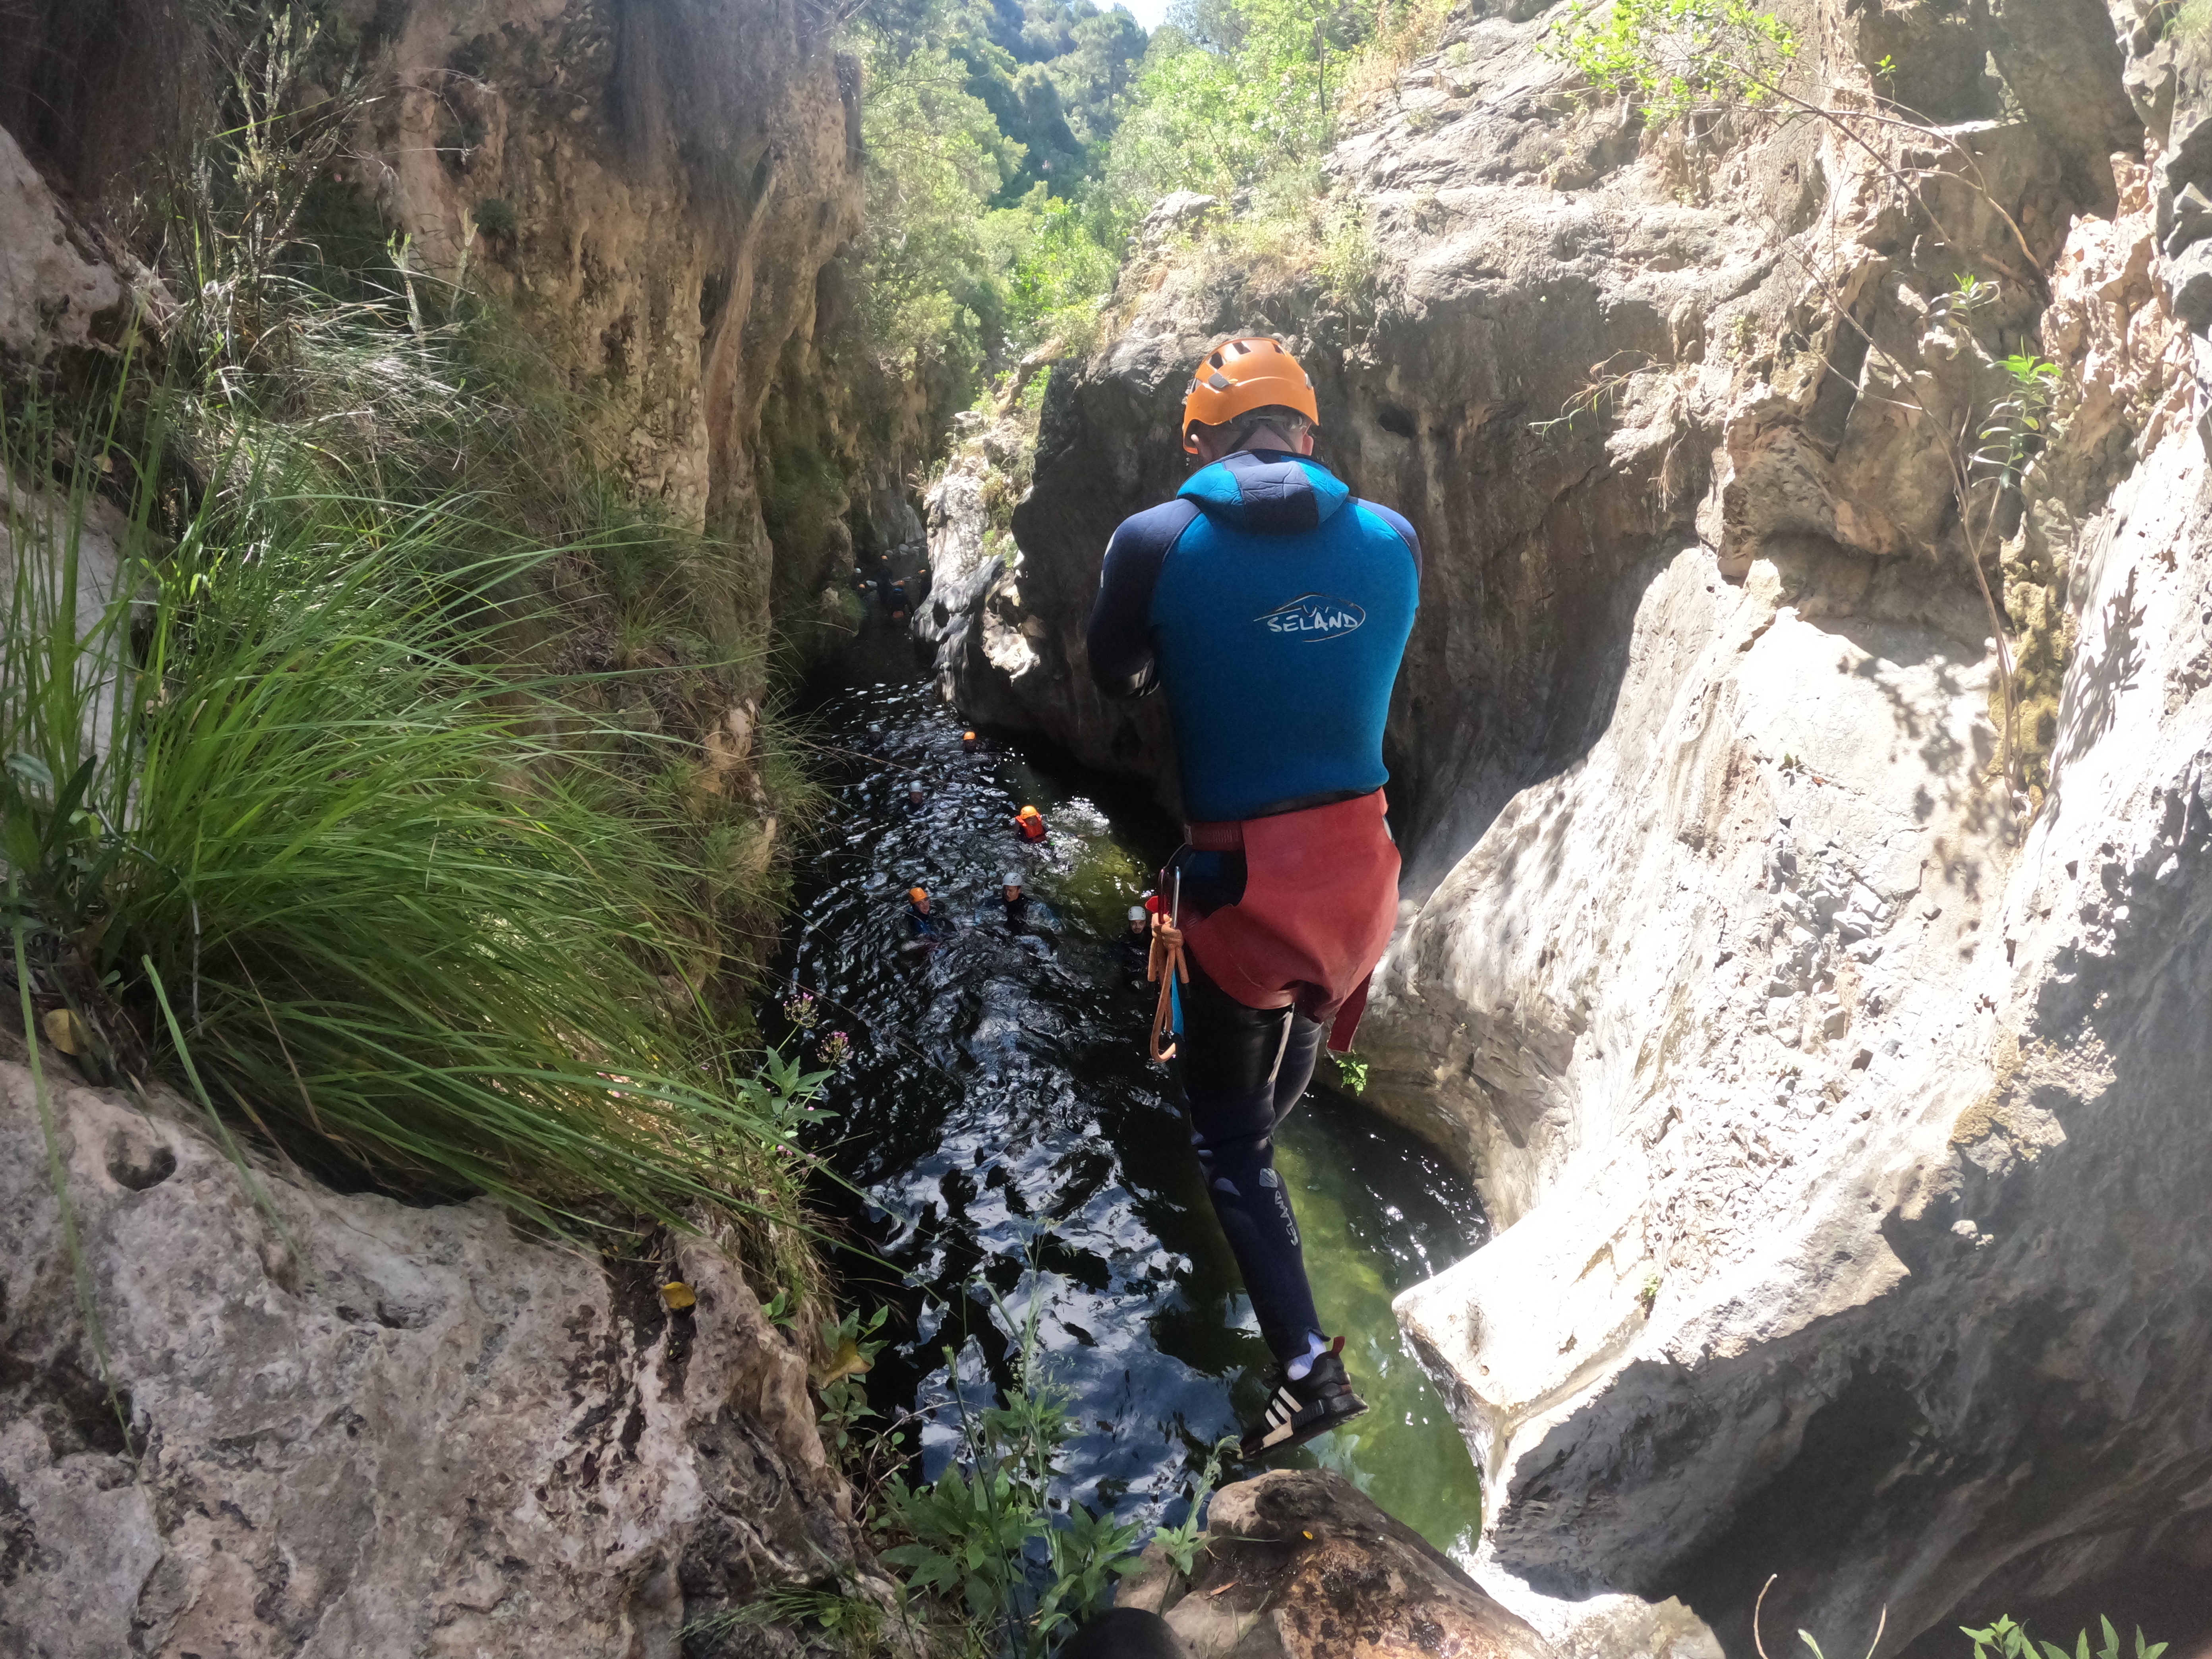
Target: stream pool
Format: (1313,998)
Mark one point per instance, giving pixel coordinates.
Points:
(999,1113)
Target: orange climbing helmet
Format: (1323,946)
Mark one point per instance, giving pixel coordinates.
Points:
(918,895)
(1257,372)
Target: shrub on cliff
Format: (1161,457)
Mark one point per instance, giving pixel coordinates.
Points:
(1235,92)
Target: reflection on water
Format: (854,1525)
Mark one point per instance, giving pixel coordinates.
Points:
(1001,1112)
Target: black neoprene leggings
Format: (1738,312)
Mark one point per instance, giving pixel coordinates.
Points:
(1242,1070)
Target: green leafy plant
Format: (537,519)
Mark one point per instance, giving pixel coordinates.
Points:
(998,1531)
(1968,293)
(852,1347)
(2188,24)
(2016,427)
(1351,1071)
(1599,392)
(786,1098)
(849,1621)
(1676,57)
(1181,1542)
(2008,1639)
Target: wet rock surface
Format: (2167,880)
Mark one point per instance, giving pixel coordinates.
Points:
(1818,1067)
(423,1433)
(1298,1565)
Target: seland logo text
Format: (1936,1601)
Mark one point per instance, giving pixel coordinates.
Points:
(1314,616)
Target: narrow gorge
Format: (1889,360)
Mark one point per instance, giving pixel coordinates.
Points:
(1784,1087)
(1831,1091)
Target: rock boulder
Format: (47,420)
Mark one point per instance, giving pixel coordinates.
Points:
(1298,1565)
(344,1427)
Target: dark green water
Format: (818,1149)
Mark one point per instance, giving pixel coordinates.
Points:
(999,1110)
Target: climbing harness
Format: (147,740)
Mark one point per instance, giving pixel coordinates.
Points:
(1167,966)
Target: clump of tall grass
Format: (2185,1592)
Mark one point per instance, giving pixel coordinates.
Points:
(418,910)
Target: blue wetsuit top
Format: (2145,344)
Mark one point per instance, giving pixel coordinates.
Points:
(1274,607)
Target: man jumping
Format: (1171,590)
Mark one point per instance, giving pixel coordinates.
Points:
(1272,607)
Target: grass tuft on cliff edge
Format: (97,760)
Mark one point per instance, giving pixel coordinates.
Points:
(347,704)
(429,915)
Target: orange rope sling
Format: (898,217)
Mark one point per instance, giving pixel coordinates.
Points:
(1166,966)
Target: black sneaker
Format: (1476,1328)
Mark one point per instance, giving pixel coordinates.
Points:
(1319,1400)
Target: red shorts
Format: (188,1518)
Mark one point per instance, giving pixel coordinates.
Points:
(1320,901)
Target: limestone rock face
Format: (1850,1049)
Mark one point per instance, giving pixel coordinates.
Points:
(675,180)
(52,284)
(1298,1565)
(421,1434)
(1823,1050)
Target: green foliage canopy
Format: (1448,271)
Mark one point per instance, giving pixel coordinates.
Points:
(1676,56)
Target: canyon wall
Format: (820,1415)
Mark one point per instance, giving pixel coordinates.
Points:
(666,197)
(1832,1065)
(665,193)
(343,1425)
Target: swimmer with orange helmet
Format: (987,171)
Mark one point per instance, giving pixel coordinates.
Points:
(919,920)
(1031,823)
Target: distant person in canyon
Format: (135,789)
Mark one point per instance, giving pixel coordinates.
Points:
(1272,607)
(920,922)
(1029,823)
(1137,943)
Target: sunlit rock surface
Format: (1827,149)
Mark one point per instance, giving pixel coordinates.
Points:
(417,1433)
(1295,1564)
(676,181)
(1842,1097)
(52,283)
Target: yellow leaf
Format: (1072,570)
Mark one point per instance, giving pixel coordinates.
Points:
(66,1031)
(678,1295)
(848,1361)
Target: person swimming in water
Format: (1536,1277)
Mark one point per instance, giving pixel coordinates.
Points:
(1137,943)
(1029,823)
(1010,895)
(920,921)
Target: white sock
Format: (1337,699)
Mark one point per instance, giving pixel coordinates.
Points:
(1299,1369)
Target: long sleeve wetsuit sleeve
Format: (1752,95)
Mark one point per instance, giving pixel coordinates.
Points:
(1119,636)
